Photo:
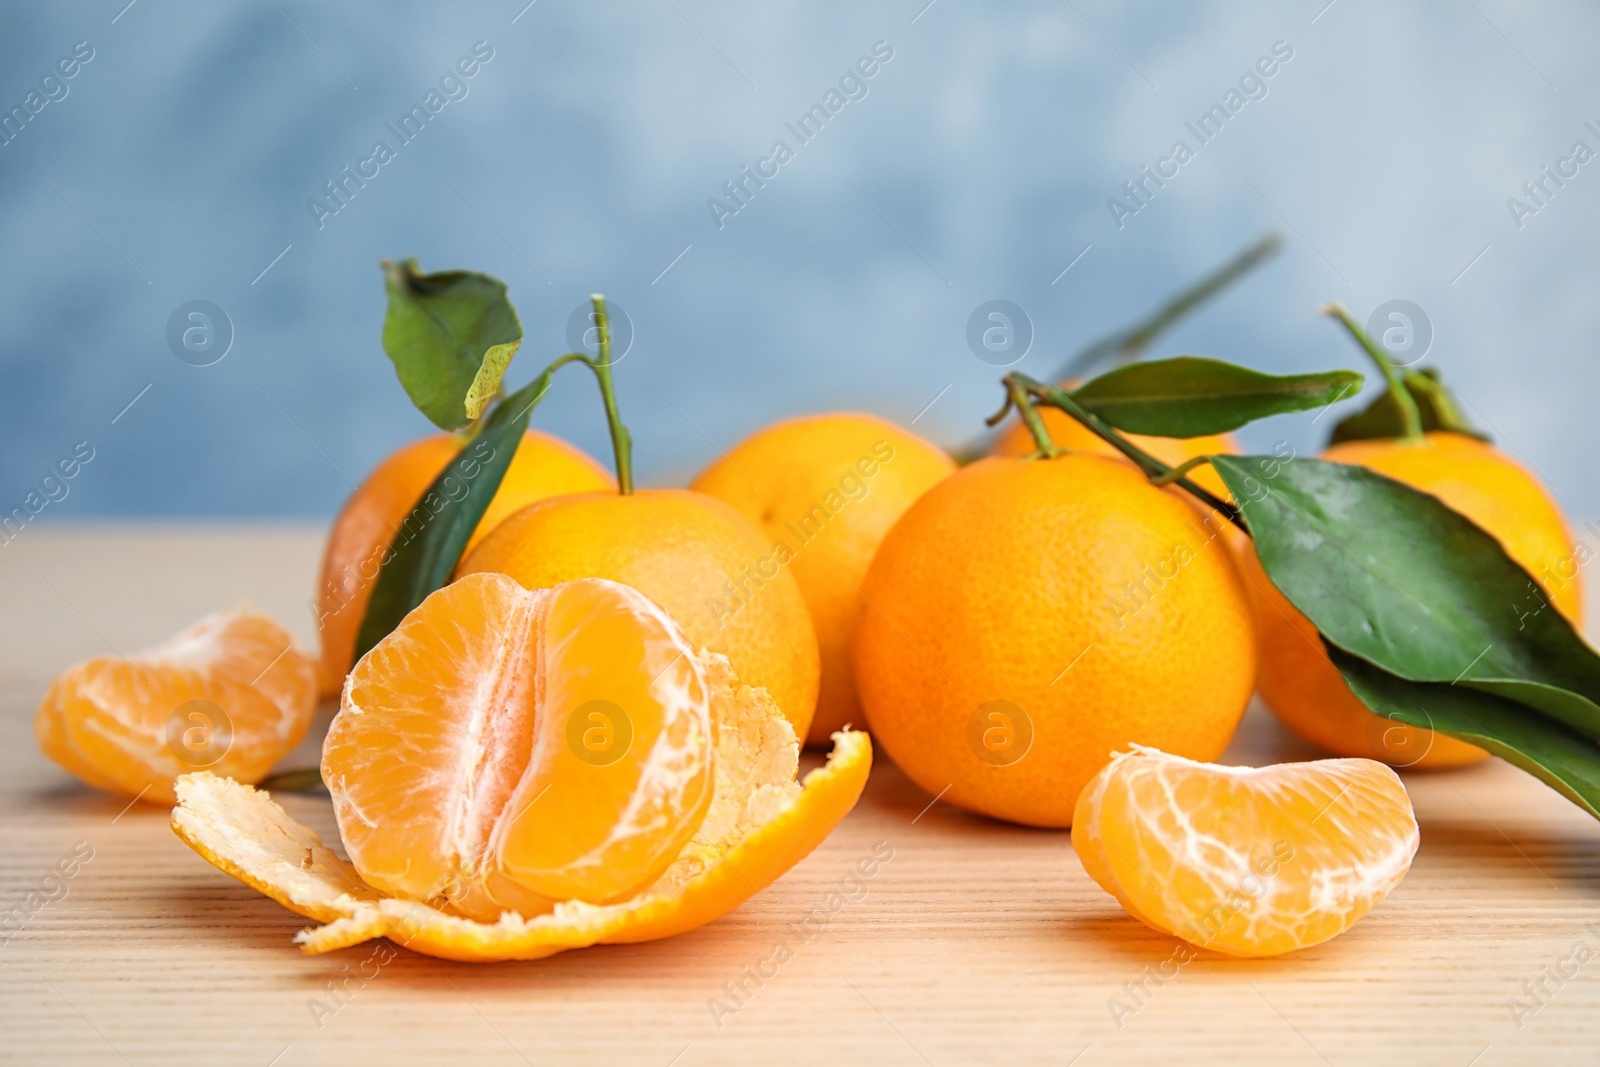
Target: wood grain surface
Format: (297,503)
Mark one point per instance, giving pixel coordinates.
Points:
(977,943)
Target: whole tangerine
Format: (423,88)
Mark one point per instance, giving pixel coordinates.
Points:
(830,486)
(1028,618)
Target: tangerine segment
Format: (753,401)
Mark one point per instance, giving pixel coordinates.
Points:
(503,749)
(624,728)
(760,824)
(1245,861)
(230,693)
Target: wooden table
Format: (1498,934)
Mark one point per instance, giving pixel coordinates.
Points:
(978,943)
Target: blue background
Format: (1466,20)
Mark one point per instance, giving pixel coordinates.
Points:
(183,158)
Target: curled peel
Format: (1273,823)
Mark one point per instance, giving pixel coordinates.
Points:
(761,823)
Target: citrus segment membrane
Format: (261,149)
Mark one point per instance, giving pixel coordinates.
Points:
(760,823)
(231,693)
(504,749)
(1245,861)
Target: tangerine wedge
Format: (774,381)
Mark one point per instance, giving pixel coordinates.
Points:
(520,772)
(231,693)
(1241,860)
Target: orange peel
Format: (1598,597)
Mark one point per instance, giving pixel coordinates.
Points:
(760,823)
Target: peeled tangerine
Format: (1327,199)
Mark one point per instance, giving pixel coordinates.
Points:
(519,772)
(231,693)
(1243,860)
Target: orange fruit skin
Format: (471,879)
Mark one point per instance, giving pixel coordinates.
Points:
(1296,679)
(830,486)
(1006,582)
(378,509)
(1067,432)
(703,562)
(246,835)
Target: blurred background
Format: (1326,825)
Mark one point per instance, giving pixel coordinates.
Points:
(191,155)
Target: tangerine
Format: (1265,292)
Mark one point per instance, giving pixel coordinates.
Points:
(518,773)
(831,486)
(1027,618)
(505,749)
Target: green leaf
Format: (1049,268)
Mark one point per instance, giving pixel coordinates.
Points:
(1560,757)
(1190,396)
(1435,403)
(431,539)
(1395,577)
(451,336)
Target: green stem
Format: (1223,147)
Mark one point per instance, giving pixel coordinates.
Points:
(1410,416)
(1180,470)
(1153,468)
(621,440)
(1126,345)
(1017,394)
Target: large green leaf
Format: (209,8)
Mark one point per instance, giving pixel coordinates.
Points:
(1560,757)
(1395,577)
(450,336)
(1435,404)
(432,537)
(1189,396)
